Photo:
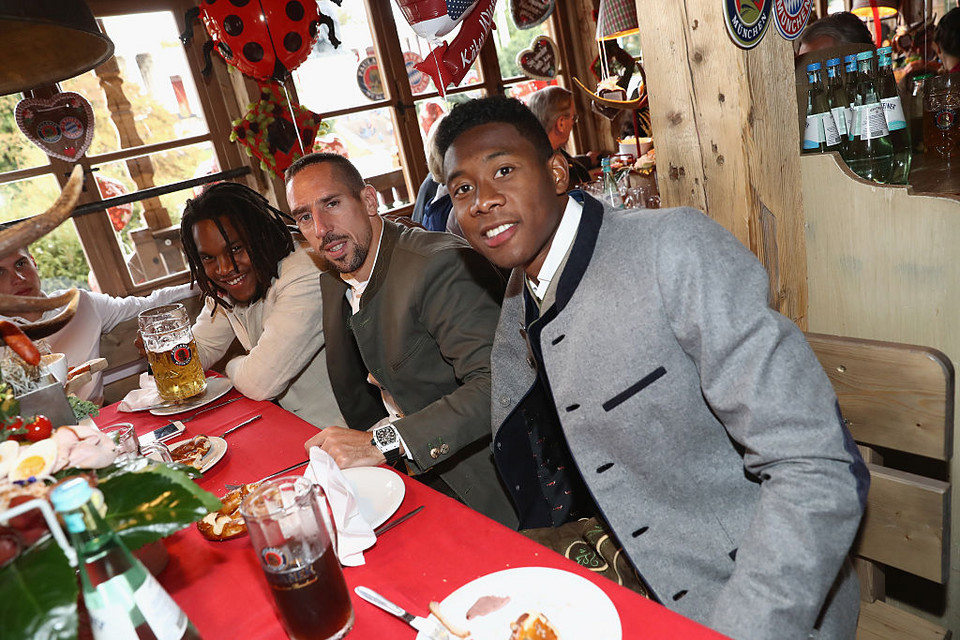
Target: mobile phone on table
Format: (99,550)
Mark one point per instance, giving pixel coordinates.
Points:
(164,433)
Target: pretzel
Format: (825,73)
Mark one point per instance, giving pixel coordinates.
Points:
(227,523)
(191,452)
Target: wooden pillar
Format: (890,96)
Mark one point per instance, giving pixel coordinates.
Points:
(724,122)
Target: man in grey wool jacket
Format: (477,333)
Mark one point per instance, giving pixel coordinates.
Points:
(639,376)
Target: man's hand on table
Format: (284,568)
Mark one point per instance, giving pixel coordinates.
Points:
(347,447)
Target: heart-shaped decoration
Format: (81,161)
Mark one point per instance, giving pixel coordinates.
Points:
(61,126)
(527,14)
(540,60)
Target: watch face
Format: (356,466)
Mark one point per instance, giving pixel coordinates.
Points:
(386,436)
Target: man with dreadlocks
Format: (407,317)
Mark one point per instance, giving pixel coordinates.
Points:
(261,288)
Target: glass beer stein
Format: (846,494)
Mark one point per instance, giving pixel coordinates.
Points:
(941,115)
(294,537)
(172,352)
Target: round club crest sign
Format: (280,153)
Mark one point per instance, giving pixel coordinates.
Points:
(746,20)
(791,16)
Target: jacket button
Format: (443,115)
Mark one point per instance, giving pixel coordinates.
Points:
(504,401)
(444,448)
(434,453)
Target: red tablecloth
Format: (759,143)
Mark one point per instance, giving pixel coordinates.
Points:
(221,588)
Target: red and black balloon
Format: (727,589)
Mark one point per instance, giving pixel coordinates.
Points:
(265,39)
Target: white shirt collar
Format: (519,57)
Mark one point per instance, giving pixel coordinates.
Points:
(562,240)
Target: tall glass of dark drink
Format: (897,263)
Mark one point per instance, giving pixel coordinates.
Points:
(294,537)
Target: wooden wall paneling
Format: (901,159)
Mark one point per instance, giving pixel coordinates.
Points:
(723,124)
(881,264)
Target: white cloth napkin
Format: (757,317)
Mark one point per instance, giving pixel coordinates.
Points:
(354,533)
(143,398)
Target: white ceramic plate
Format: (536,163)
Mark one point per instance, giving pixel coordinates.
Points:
(218,447)
(216,387)
(378,490)
(574,605)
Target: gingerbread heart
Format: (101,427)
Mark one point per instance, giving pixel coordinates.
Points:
(527,14)
(540,60)
(61,126)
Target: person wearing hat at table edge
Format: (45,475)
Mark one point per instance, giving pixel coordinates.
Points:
(640,377)
(409,317)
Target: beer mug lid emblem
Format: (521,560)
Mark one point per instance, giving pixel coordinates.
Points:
(273,558)
(945,119)
(181,355)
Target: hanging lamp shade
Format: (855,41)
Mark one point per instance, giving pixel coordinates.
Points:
(616,18)
(46,41)
(885,8)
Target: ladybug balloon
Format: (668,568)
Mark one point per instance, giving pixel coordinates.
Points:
(265,39)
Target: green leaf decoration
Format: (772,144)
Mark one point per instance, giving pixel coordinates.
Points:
(38,595)
(154,502)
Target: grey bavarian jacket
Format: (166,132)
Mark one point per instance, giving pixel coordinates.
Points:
(703,426)
(424,330)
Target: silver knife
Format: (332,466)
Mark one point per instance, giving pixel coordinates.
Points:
(242,424)
(431,628)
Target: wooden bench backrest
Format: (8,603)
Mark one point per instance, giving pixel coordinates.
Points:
(898,397)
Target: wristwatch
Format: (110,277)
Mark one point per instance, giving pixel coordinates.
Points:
(387,440)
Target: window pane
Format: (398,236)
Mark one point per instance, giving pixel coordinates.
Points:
(16,152)
(510,41)
(59,254)
(522,90)
(156,80)
(348,76)
(151,254)
(367,138)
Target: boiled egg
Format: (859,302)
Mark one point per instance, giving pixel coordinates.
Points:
(9,451)
(34,461)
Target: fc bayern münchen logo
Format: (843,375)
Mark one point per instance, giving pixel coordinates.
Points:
(181,355)
(747,21)
(791,16)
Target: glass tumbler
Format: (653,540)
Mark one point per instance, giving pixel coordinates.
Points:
(128,445)
(292,531)
(172,352)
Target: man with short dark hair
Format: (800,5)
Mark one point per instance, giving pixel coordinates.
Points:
(640,377)
(947,40)
(833,30)
(409,317)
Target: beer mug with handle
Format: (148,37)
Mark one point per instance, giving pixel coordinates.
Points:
(172,352)
(294,536)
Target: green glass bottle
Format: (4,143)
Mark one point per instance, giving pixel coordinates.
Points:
(896,120)
(839,103)
(871,152)
(611,193)
(124,600)
(820,133)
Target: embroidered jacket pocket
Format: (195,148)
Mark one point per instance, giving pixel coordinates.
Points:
(634,389)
